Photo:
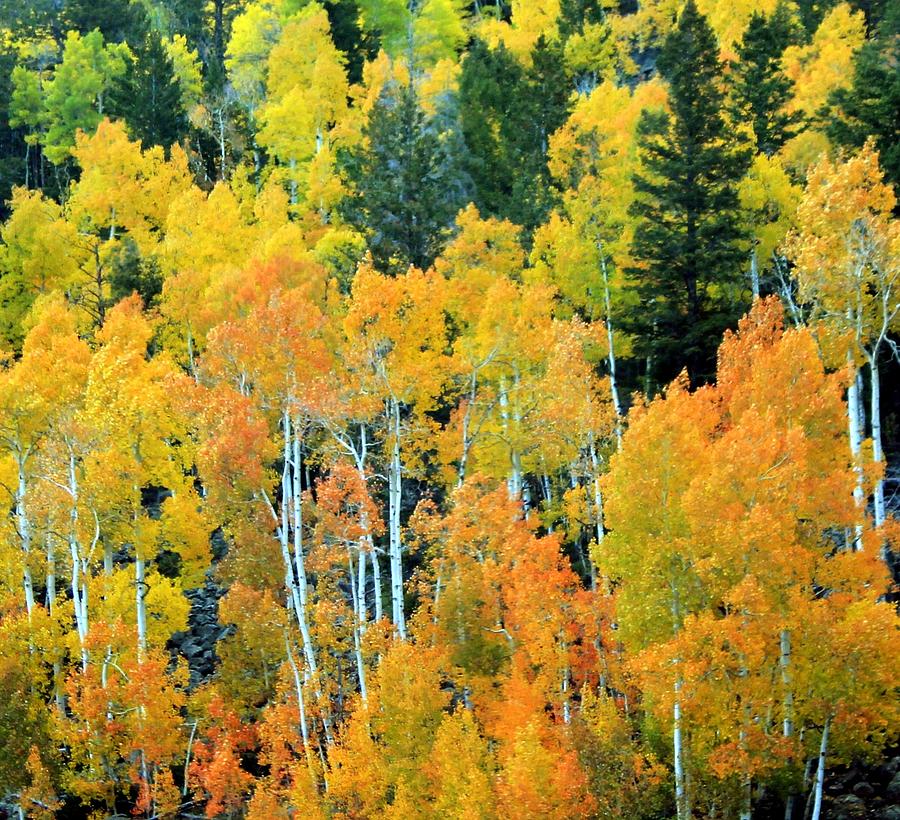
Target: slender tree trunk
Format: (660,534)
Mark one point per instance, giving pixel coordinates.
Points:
(611,354)
(681,807)
(358,619)
(187,759)
(394,498)
(521,486)
(514,482)
(297,527)
(140,603)
(467,417)
(376,583)
(301,705)
(787,727)
(190,351)
(361,587)
(598,505)
(682,803)
(58,696)
(293,167)
(855,431)
(79,585)
(290,583)
(754,273)
(784,663)
(223,174)
(877,450)
(369,542)
(51,576)
(23,524)
(820,771)
(746,811)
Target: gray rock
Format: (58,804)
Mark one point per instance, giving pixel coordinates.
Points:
(893,789)
(847,807)
(890,813)
(863,790)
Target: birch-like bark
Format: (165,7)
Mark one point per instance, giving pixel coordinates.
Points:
(190,351)
(140,604)
(877,449)
(855,432)
(787,726)
(23,523)
(50,580)
(754,273)
(678,754)
(514,481)
(376,582)
(367,543)
(394,497)
(357,619)
(598,506)
(58,696)
(682,806)
(820,771)
(746,812)
(283,534)
(79,568)
(520,485)
(301,705)
(362,614)
(467,418)
(611,354)
(784,663)
(297,527)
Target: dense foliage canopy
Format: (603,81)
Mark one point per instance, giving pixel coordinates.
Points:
(422,408)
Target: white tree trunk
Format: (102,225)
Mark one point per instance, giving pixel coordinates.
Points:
(520,486)
(877,450)
(358,621)
(301,705)
(681,807)
(598,507)
(754,273)
(611,354)
(394,497)
(376,583)
(58,696)
(79,568)
(24,526)
(820,771)
(784,662)
(292,589)
(140,604)
(297,528)
(787,725)
(466,424)
(51,575)
(514,481)
(855,431)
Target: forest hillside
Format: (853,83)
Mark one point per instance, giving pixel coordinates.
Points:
(445,409)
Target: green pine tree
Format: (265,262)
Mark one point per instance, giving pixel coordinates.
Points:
(408,183)
(574,14)
(760,89)
(119,21)
(349,37)
(871,106)
(688,240)
(148,98)
(508,114)
(487,90)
